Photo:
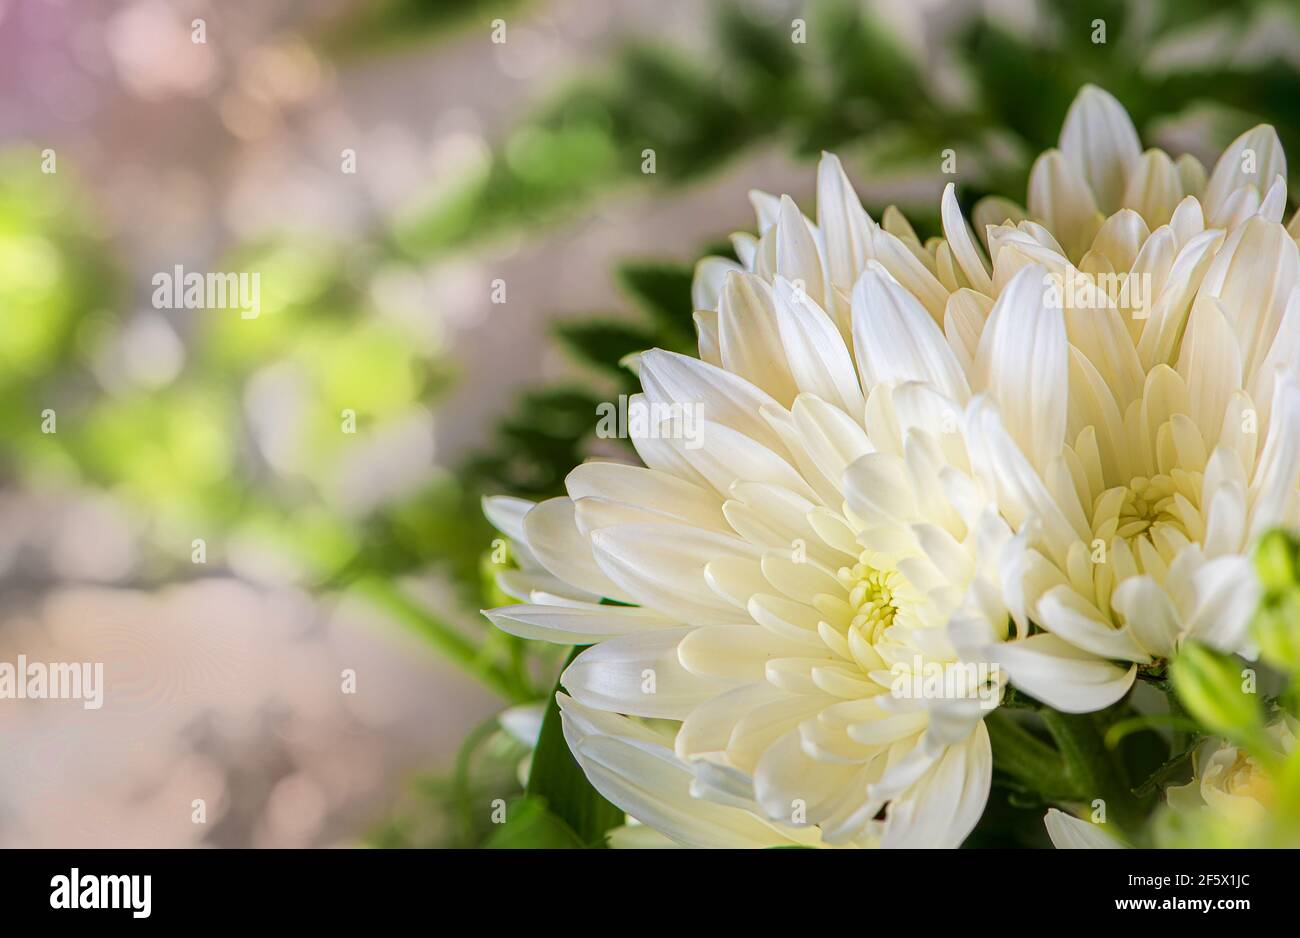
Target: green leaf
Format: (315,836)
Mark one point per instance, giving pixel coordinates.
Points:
(557,777)
(530,825)
(1211,687)
(663,292)
(603,344)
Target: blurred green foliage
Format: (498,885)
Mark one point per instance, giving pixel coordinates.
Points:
(852,86)
(188,455)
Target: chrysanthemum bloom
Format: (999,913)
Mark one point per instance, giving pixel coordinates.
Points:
(1230,795)
(885,448)
(803,530)
(1156,433)
(1229,782)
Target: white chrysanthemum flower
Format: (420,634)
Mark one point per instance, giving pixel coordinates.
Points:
(1230,783)
(1230,793)
(788,569)
(890,450)
(1137,448)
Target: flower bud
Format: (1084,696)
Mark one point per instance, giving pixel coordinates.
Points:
(1210,686)
(1276,562)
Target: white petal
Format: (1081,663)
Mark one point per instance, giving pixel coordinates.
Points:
(818,358)
(723,397)
(1022,362)
(1061,198)
(843,223)
(1210,363)
(1071,833)
(749,338)
(797,257)
(553,535)
(639,674)
(1067,615)
(1099,140)
(710,275)
(647,489)
(1062,676)
(895,339)
(662,567)
(963,248)
(644,778)
(1253,160)
(576,624)
(1149,614)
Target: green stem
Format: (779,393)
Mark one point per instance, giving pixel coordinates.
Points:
(1094,769)
(442,635)
(1181,736)
(1023,756)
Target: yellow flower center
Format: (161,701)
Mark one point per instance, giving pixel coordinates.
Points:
(871,595)
(1161,510)
(1147,502)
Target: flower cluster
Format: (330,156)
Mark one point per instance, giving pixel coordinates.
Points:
(1035,456)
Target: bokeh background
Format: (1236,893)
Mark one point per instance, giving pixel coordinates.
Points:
(481,167)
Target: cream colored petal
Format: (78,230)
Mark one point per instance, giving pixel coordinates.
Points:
(1067,615)
(797,257)
(706,328)
(1059,196)
(1070,833)
(902,264)
(1149,614)
(963,323)
(1252,276)
(662,566)
(818,358)
(895,339)
(994,210)
(1225,594)
(843,222)
(576,624)
(725,398)
(738,653)
(1021,493)
(553,535)
(1099,140)
(710,275)
(1192,175)
(963,247)
(1154,189)
(945,805)
(647,489)
(1022,364)
(644,778)
(1273,488)
(1210,363)
(1252,160)
(1061,675)
(749,338)
(1120,238)
(506,513)
(639,674)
